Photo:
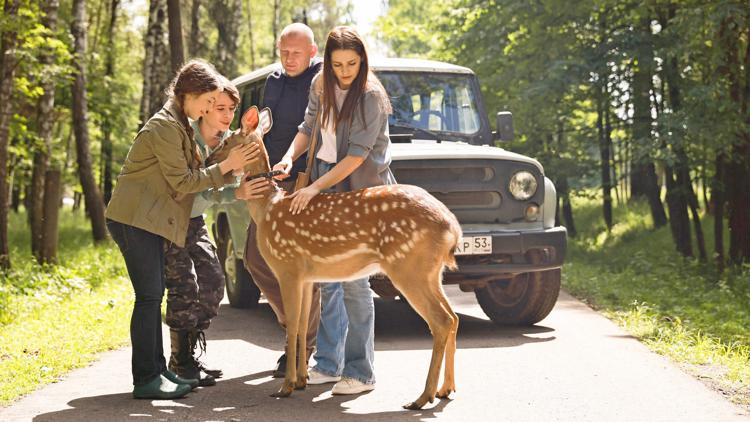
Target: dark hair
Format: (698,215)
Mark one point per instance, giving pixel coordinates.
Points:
(347,38)
(228,88)
(195,77)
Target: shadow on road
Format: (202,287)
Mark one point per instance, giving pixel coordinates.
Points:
(238,399)
(397,327)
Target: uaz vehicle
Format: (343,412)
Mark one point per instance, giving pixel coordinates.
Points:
(511,252)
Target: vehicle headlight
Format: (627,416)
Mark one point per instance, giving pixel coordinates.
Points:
(522,185)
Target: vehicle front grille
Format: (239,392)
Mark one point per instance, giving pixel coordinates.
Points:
(475,190)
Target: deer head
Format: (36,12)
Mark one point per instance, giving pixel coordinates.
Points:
(253,125)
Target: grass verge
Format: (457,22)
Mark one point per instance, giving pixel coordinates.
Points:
(57,318)
(678,307)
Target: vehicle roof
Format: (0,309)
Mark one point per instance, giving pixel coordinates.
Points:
(376,63)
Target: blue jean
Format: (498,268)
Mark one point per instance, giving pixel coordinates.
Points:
(144,257)
(346,335)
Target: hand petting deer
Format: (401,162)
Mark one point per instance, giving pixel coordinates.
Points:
(399,230)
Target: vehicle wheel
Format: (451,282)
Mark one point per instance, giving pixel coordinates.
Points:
(241,290)
(523,300)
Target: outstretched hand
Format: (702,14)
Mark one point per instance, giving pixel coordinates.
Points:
(301,198)
(253,189)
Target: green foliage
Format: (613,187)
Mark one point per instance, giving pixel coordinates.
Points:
(678,307)
(56,318)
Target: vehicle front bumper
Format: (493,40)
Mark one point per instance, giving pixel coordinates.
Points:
(514,252)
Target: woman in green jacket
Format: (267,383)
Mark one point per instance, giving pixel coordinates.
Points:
(151,205)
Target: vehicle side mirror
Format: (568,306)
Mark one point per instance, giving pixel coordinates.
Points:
(504,124)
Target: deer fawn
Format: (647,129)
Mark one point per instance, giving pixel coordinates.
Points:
(399,230)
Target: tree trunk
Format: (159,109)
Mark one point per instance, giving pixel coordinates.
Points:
(699,238)
(109,73)
(567,209)
(48,253)
(93,200)
(738,198)
(196,46)
(156,65)
(250,33)
(225,14)
(275,27)
(177,51)
(8,41)
(604,153)
(717,197)
(643,178)
(45,121)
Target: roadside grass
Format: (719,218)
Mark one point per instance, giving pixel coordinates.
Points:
(57,318)
(678,307)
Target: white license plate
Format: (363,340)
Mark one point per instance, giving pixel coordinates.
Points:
(474,245)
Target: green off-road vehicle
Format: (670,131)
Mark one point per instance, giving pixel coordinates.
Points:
(511,252)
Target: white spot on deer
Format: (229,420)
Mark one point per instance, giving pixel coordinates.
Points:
(340,201)
(280,214)
(405,247)
(384,207)
(374,230)
(346,210)
(356,215)
(276,238)
(412,224)
(394,205)
(289,223)
(341,237)
(273,226)
(268,217)
(336,219)
(362,232)
(356,203)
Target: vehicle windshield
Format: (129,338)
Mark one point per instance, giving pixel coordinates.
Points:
(435,102)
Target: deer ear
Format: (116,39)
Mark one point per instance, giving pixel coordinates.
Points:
(250,120)
(266,121)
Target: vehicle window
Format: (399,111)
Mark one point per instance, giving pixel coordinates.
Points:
(436,102)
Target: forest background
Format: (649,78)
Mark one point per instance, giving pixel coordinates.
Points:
(638,110)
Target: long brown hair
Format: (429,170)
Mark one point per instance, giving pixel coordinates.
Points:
(347,38)
(195,77)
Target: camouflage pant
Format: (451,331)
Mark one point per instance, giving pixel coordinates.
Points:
(194,279)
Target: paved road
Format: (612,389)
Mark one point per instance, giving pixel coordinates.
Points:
(574,366)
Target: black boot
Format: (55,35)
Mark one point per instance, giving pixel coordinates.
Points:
(197,339)
(181,361)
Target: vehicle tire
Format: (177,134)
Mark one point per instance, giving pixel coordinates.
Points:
(523,300)
(241,290)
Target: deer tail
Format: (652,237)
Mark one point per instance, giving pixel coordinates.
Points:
(453,235)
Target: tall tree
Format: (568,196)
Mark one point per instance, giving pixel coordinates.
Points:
(156,66)
(227,15)
(196,44)
(644,181)
(8,40)
(109,75)
(177,51)
(93,200)
(45,122)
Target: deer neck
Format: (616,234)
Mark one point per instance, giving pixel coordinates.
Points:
(259,207)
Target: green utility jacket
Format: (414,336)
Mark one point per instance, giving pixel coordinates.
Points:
(161,174)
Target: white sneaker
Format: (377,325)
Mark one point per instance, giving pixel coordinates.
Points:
(314,377)
(351,386)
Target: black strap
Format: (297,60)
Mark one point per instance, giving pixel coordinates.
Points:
(267,175)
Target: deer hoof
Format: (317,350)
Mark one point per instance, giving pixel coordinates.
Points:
(444,392)
(284,391)
(301,384)
(413,406)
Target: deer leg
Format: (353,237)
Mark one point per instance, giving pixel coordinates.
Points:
(424,296)
(291,298)
(449,382)
(304,317)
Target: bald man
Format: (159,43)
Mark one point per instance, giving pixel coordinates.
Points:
(286,94)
